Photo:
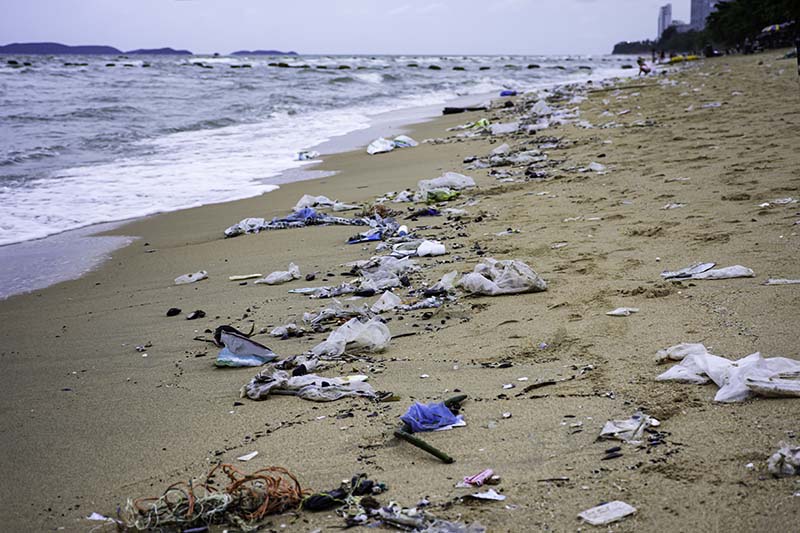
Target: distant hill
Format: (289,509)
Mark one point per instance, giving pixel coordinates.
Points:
(56,49)
(263,53)
(159,52)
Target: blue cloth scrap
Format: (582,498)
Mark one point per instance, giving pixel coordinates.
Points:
(508,93)
(430,417)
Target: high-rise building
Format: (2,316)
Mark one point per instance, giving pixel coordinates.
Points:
(664,18)
(701,9)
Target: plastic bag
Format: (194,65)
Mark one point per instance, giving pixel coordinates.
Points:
(680,351)
(404,141)
(430,417)
(386,302)
(239,350)
(430,249)
(493,278)
(281,276)
(448,180)
(736,271)
(372,336)
(312,201)
(502,129)
(379,146)
(191,278)
(541,108)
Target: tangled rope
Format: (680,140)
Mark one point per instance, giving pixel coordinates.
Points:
(246,499)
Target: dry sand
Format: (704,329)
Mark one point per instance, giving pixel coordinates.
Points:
(89,421)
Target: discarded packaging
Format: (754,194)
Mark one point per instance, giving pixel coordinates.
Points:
(306,155)
(372,336)
(629,430)
(247,456)
(495,278)
(386,302)
(738,380)
(780,281)
(431,417)
(239,350)
(786,461)
(191,278)
(623,311)
(490,494)
(309,386)
(380,146)
(688,272)
(607,513)
(680,351)
(281,276)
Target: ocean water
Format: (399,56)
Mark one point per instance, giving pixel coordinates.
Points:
(90,143)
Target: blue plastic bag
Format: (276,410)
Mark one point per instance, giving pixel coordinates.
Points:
(430,417)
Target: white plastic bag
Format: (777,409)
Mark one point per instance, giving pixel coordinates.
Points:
(386,302)
(680,351)
(191,278)
(281,276)
(404,141)
(494,278)
(542,109)
(312,201)
(448,180)
(430,249)
(379,146)
(736,271)
(372,336)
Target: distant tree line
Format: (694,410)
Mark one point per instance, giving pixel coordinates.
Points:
(737,20)
(730,25)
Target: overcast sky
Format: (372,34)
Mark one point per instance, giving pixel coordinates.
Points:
(339,26)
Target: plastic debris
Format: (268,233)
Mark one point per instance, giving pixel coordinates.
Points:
(500,150)
(404,141)
(448,180)
(503,129)
(226,496)
(239,350)
(431,417)
(244,277)
(308,386)
(495,278)
(380,146)
(629,430)
(736,271)
(308,200)
(191,278)
(477,480)
(541,108)
(430,248)
(281,276)
(490,494)
(287,331)
(306,155)
(597,167)
(623,311)
(738,380)
(786,461)
(688,272)
(680,351)
(386,302)
(372,336)
(299,219)
(607,513)
(780,281)
(247,456)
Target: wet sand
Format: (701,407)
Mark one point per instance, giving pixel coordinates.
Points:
(89,421)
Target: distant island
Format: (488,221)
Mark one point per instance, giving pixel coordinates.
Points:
(160,52)
(263,53)
(56,49)
(65,49)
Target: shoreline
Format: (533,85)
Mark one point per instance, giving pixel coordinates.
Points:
(60,258)
(84,405)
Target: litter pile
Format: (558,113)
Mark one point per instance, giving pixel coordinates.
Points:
(225,496)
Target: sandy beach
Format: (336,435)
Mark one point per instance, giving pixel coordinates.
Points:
(90,421)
